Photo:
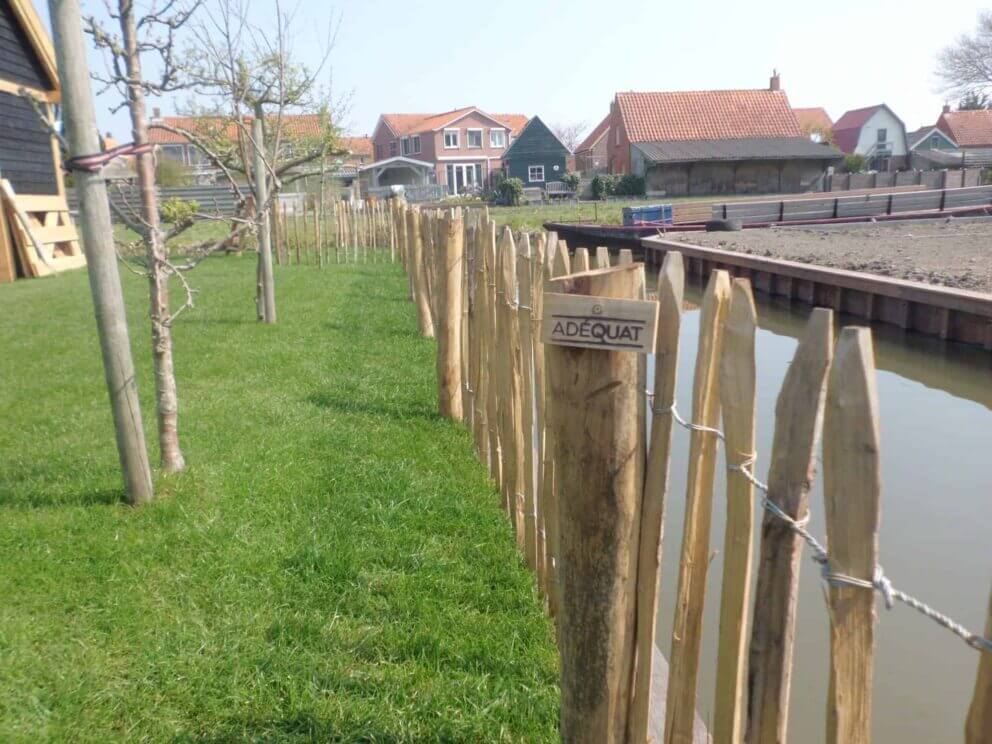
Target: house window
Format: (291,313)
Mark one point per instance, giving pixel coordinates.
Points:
(473,138)
(883,136)
(935,142)
(392,149)
(617,137)
(535,173)
(497,138)
(406,145)
(450,139)
(176,152)
(415,142)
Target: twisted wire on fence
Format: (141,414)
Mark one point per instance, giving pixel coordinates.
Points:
(879,581)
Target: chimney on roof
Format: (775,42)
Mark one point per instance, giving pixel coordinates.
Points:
(776,82)
(947,108)
(156,113)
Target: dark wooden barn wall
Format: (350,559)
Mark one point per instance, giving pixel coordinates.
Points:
(25,148)
(18,61)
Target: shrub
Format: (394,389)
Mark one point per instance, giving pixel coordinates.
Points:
(854,163)
(170,172)
(603,185)
(630,185)
(511,191)
(177,210)
(571,181)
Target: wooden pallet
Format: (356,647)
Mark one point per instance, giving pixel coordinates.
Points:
(44,237)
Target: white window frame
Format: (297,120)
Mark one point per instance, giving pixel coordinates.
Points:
(530,177)
(502,139)
(468,139)
(394,149)
(415,144)
(458,143)
(405,146)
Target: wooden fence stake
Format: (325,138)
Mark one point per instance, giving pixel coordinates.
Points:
(510,404)
(491,354)
(978,729)
(851,489)
(798,419)
(540,387)
(525,316)
(600,470)
(449,339)
(671,289)
(680,707)
(602,257)
(626,257)
(737,399)
(580,261)
(417,269)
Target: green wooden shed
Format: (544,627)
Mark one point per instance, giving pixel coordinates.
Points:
(536,156)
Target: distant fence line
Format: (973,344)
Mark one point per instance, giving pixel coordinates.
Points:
(932,179)
(864,205)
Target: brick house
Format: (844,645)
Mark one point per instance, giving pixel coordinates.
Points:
(465,146)
(969,129)
(591,155)
(713,142)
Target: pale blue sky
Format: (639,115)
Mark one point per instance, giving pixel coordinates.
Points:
(565,60)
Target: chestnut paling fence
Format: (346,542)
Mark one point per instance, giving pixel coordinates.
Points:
(321,230)
(563,433)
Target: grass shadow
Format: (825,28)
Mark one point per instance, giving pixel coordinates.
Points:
(48,500)
(330,401)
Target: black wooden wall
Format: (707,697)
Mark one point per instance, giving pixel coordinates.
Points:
(25,148)
(18,61)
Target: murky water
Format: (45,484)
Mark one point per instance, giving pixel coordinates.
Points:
(935,540)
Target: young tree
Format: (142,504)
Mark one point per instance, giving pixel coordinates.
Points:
(254,82)
(160,28)
(966,66)
(570,134)
(105,285)
(974,101)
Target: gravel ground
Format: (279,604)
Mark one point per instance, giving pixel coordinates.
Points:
(952,252)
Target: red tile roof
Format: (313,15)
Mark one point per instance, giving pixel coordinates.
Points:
(293,125)
(813,119)
(409,123)
(707,115)
(595,135)
(968,128)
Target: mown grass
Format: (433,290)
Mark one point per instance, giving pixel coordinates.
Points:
(334,566)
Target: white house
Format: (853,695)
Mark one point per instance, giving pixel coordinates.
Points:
(875,133)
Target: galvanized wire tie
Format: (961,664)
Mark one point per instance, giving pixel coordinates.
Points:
(879,581)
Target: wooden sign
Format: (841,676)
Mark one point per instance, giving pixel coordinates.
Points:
(599,322)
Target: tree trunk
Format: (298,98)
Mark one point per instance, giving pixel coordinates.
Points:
(105,283)
(166,395)
(266,285)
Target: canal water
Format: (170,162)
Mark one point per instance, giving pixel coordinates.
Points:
(935,405)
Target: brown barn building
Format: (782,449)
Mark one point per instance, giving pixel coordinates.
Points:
(714,142)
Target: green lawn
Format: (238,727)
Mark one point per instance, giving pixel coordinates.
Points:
(334,566)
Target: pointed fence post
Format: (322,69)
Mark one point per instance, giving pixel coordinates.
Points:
(600,470)
(851,489)
(737,399)
(493,421)
(449,339)
(524,316)
(671,289)
(602,257)
(798,419)
(418,272)
(580,261)
(680,707)
(536,269)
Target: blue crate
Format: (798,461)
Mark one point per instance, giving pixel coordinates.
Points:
(652,213)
